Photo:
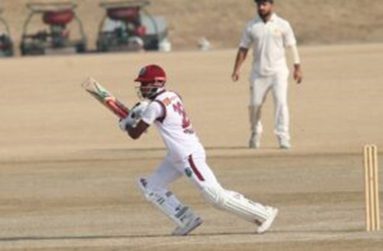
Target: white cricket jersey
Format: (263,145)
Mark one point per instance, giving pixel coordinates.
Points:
(167,112)
(269,41)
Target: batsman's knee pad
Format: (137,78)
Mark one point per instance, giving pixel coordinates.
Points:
(214,196)
(236,203)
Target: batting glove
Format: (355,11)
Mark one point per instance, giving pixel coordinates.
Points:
(135,115)
(128,121)
(139,109)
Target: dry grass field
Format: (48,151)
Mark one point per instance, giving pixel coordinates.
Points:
(68,174)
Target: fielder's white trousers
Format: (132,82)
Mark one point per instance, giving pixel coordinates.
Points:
(260,86)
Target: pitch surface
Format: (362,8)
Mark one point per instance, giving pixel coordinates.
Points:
(68,174)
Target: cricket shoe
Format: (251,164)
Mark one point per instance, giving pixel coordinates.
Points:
(264,226)
(192,224)
(255,141)
(284,143)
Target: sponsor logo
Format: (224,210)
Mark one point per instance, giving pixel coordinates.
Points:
(277,32)
(188,172)
(142,72)
(143,182)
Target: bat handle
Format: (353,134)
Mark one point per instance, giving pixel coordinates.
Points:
(116,109)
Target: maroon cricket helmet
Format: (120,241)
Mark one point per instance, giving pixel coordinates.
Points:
(153,74)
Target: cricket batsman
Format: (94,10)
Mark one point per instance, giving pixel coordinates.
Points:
(185,156)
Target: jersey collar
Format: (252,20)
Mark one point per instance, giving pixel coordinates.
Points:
(158,94)
(273,17)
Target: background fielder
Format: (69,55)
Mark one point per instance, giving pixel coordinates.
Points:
(186,155)
(269,35)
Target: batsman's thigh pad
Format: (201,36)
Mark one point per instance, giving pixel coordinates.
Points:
(235,203)
(164,174)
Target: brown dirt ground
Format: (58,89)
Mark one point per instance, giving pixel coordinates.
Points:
(68,173)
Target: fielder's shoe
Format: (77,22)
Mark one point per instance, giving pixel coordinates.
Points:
(255,141)
(267,223)
(192,224)
(284,143)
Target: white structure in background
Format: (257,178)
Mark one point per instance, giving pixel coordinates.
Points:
(165,45)
(204,44)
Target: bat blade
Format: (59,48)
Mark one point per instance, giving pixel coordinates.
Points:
(105,97)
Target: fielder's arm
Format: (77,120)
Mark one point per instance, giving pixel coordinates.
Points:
(298,75)
(241,56)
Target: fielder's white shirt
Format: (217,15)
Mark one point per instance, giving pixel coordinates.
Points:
(167,112)
(269,41)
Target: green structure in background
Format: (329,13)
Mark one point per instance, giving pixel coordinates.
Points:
(56,39)
(6,44)
(127,26)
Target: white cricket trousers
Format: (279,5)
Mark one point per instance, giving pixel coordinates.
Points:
(170,170)
(260,86)
(202,177)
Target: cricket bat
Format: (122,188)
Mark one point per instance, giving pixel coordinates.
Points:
(105,97)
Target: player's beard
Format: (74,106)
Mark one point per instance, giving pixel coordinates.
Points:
(265,15)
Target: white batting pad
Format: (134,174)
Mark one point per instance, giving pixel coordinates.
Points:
(168,203)
(236,203)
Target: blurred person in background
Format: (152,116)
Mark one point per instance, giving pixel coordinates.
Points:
(268,35)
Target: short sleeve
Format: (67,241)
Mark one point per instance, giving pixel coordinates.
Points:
(288,36)
(153,112)
(246,39)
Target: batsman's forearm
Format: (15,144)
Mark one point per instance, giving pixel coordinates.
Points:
(132,132)
(137,131)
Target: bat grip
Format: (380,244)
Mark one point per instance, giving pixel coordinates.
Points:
(121,112)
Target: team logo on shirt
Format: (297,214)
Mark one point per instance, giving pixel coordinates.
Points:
(188,172)
(277,32)
(142,72)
